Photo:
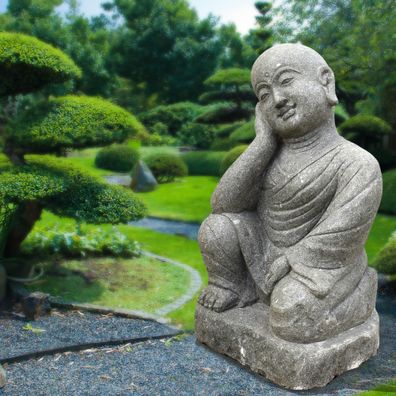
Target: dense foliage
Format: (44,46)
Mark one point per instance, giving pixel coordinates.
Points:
(388,203)
(118,158)
(366,130)
(27,64)
(71,121)
(385,261)
(204,163)
(245,133)
(166,166)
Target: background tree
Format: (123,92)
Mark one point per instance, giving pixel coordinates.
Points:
(165,48)
(260,38)
(30,178)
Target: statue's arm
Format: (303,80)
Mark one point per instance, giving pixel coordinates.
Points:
(239,187)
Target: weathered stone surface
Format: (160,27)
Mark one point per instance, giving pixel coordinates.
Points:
(3,377)
(143,179)
(291,216)
(244,334)
(3,282)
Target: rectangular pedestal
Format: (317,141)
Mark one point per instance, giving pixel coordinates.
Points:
(244,334)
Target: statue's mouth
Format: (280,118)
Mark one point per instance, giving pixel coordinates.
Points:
(287,112)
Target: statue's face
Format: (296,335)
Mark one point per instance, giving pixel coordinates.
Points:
(292,99)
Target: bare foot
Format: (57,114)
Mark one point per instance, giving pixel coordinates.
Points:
(218,299)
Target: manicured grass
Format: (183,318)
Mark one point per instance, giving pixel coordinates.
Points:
(89,164)
(388,389)
(382,229)
(146,151)
(138,283)
(187,199)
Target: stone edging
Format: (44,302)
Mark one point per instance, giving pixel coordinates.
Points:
(195,284)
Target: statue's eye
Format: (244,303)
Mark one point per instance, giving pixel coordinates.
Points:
(264,96)
(287,81)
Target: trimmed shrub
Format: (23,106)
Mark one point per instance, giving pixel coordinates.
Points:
(220,113)
(204,163)
(197,135)
(27,64)
(388,203)
(365,130)
(232,156)
(118,158)
(231,76)
(166,167)
(223,144)
(173,116)
(245,133)
(385,261)
(65,122)
(225,130)
(155,139)
(340,114)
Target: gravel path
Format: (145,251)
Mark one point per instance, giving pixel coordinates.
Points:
(71,330)
(179,366)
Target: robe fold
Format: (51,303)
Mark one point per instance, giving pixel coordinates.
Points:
(318,217)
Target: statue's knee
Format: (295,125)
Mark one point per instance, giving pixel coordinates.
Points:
(217,232)
(291,310)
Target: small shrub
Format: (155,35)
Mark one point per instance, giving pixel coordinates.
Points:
(340,114)
(385,261)
(225,130)
(47,241)
(156,139)
(118,158)
(222,144)
(232,156)
(166,166)
(365,130)
(388,203)
(204,163)
(197,135)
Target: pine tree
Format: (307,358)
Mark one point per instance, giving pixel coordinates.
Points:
(33,174)
(260,38)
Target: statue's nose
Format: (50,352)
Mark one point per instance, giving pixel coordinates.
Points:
(280,101)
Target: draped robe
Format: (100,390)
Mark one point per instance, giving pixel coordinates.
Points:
(317,216)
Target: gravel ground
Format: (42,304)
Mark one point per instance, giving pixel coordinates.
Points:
(178,366)
(63,330)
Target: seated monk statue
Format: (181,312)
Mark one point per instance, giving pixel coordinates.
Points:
(291,216)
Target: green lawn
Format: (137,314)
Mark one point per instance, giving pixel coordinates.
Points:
(187,199)
(117,283)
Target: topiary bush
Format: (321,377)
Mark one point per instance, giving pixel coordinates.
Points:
(118,158)
(166,166)
(30,182)
(27,64)
(244,134)
(204,163)
(71,121)
(196,135)
(172,116)
(388,202)
(365,130)
(223,144)
(385,261)
(232,156)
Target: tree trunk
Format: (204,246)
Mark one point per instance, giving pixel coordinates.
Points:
(24,219)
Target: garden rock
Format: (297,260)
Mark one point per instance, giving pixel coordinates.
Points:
(290,293)
(143,179)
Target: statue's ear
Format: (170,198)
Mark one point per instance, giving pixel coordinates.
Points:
(326,78)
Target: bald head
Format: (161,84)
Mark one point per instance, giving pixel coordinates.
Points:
(296,56)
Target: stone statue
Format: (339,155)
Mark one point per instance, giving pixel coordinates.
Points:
(290,293)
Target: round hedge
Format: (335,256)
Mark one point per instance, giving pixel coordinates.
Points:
(232,156)
(166,166)
(365,129)
(388,202)
(385,261)
(118,158)
(205,163)
(27,64)
(71,122)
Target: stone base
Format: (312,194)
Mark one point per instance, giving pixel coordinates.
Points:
(244,334)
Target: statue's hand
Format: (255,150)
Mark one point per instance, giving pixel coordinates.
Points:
(263,129)
(278,269)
